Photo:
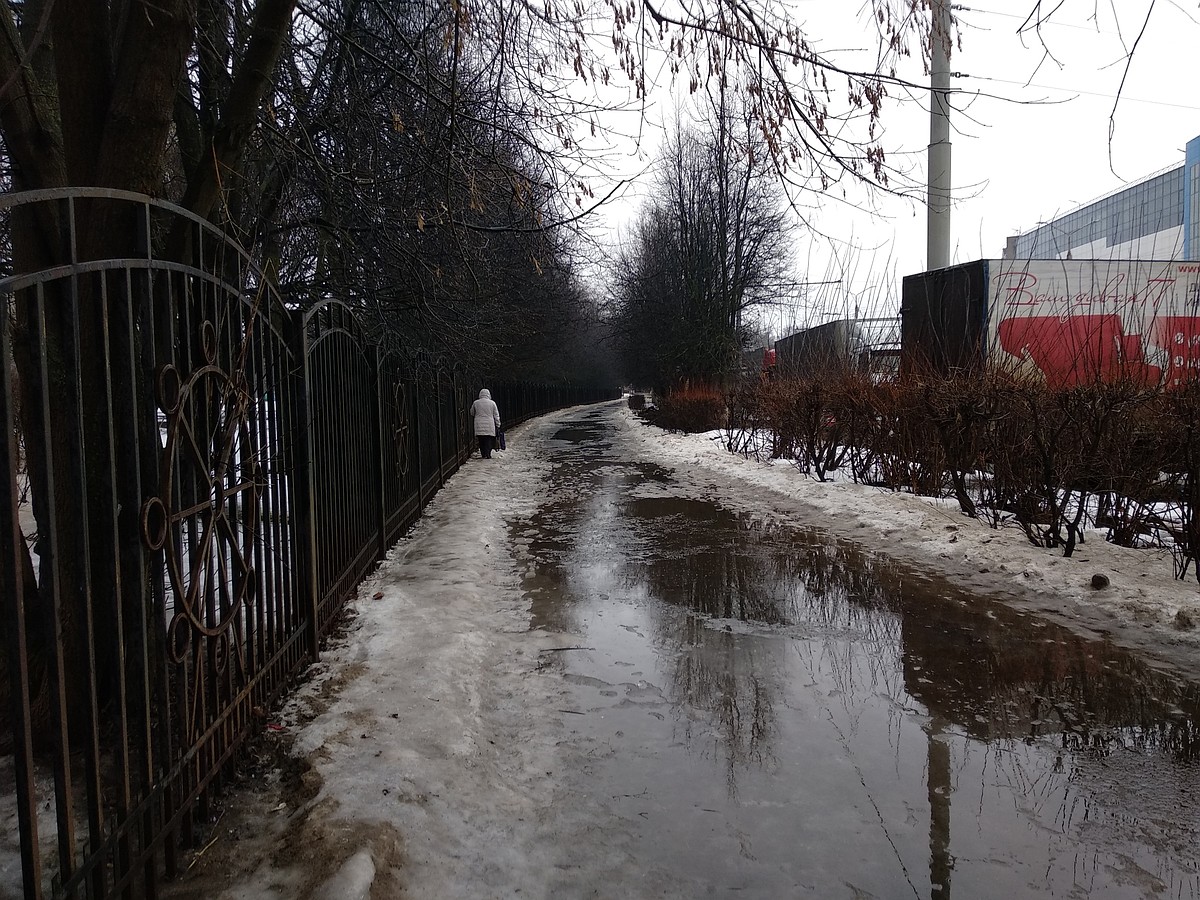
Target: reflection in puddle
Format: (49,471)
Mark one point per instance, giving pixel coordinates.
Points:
(783,714)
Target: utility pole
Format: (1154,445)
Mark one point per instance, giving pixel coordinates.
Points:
(937,252)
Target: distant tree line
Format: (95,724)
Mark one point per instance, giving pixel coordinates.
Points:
(427,161)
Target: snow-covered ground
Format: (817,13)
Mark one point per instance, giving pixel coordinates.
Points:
(437,736)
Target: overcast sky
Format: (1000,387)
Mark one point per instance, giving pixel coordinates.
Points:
(1017,164)
(1032,138)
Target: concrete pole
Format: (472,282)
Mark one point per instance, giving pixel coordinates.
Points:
(937,255)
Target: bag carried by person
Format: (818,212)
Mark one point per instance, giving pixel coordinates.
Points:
(500,441)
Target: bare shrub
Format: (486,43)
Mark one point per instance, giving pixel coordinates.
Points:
(746,432)
(960,411)
(804,418)
(690,409)
(775,408)
(1056,449)
(1179,428)
(1116,454)
(864,404)
(910,457)
(1123,429)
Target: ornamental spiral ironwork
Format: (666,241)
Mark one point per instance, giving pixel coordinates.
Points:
(206,516)
(400,436)
(462,409)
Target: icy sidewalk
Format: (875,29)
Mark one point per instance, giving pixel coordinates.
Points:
(431,734)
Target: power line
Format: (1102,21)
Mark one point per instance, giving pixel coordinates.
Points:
(1042,24)
(1046,87)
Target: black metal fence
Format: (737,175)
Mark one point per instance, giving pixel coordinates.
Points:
(196,476)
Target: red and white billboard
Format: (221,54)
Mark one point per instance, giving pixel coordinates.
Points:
(1074,321)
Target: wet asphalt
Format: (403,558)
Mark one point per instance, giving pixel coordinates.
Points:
(770,712)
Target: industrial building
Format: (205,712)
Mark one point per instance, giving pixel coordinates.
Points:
(1155,218)
(1127,304)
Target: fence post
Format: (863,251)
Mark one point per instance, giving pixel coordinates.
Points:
(454,416)
(380,453)
(416,433)
(462,423)
(437,400)
(12,587)
(305,490)
(462,401)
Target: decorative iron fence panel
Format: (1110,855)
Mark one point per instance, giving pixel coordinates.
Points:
(342,427)
(399,403)
(154,608)
(196,477)
(429,425)
(452,421)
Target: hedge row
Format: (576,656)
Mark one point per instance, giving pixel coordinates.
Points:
(1115,456)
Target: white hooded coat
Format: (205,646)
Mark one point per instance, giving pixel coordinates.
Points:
(485,414)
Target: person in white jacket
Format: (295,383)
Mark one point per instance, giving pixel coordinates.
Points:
(486,416)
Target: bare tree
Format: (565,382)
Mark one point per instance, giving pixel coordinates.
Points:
(709,246)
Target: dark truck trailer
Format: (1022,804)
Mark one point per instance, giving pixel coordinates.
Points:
(816,351)
(1060,321)
(943,317)
(846,345)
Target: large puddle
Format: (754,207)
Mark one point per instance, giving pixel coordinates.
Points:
(776,714)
